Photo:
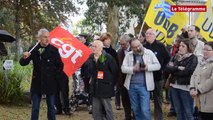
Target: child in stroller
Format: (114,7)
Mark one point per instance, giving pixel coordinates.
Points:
(79,96)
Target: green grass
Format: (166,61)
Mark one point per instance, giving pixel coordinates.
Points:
(11,89)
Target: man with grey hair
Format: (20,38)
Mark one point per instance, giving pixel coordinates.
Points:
(102,81)
(47,65)
(163,57)
(124,42)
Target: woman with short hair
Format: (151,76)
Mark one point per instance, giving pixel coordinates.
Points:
(201,84)
(181,70)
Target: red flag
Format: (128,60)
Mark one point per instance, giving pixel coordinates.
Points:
(73,53)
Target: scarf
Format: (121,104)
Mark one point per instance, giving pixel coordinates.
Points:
(206,61)
(182,57)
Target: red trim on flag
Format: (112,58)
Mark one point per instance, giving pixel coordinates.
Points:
(188,8)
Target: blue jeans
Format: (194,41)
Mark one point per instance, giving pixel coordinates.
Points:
(140,101)
(50,100)
(172,107)
(183,103)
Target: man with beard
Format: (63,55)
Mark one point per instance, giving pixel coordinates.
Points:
(139,65)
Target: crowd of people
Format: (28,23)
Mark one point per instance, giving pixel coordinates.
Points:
(138,71)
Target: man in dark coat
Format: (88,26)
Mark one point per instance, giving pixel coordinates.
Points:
(86,73)
(84,39)
(124,48)
(102,81)
(62,93)
(47,65)
(163,57)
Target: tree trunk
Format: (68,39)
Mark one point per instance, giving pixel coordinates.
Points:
(32,25)
(17,29)
(113,23)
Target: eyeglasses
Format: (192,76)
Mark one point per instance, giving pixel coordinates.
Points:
(92,46)
(207,50)
(149,34)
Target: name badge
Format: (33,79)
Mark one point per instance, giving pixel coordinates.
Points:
(100,75)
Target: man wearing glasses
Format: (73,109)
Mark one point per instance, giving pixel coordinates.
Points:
(163,57)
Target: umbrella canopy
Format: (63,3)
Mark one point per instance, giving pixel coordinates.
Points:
(6,37)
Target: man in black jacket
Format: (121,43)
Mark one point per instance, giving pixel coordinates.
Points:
(124,49)
(47,65)
(104,74)
(84,39)
(163,57)
(62,94)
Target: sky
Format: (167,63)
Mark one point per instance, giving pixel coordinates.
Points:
(77,18)
(73,19)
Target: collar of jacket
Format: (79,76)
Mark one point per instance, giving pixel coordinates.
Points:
(151,43)
(179,58)
(210,59)
(101,59)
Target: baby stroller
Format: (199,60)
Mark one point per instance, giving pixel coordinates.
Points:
(79,96)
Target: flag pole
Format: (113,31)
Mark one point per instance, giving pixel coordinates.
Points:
(143,21)
(141,29)
(34,47)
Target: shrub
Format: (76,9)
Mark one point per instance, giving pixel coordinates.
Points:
(11,90)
